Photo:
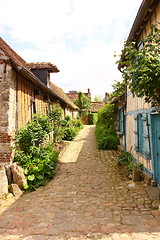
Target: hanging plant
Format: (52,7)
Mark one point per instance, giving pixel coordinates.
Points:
(142,67)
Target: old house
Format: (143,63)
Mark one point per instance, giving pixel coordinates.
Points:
(139,121)
(73,95)
(25,89)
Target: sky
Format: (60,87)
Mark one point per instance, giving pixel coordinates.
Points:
(80,37)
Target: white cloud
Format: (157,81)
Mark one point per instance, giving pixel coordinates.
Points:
(79,36)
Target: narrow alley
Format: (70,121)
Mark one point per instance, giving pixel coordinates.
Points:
(89,198)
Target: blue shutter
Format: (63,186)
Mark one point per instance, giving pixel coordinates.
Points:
(120,120)
(136,146)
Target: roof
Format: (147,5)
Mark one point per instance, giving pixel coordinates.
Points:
(14,57)
(95,106)
(73,95)
(145,11)
(22,66)
(43,65)
(118,98)
(62,95)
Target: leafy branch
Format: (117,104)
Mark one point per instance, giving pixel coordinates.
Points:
(142,67)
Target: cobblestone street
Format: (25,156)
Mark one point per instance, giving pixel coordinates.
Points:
(89,198)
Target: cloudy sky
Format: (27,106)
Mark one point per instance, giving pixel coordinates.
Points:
(78,36)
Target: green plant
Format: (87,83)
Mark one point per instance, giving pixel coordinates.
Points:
(106,128)
(55,116)
(93,118)
(118,89)
(34,134)
(83,102)
(141,70)
(39,165)
(69,133)
(125,159)
(71,128)
(37,160)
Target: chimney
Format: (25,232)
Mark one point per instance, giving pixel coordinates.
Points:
(89,91)
(106,98)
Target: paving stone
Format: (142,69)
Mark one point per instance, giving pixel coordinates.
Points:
(89,198)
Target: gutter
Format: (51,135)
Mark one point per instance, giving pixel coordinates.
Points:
(38,82)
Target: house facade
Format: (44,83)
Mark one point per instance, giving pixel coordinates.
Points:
(25,89)
(139,121)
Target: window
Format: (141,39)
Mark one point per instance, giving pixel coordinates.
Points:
(142,133)
(121,120)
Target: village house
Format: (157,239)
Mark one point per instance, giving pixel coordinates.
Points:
(139,121)
(25,89)
(74,94)
(94,108)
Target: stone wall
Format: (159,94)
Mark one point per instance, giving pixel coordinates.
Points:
(6,110)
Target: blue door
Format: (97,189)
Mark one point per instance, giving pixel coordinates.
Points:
(155,131)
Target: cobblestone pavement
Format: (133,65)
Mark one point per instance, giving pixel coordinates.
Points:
(88,199)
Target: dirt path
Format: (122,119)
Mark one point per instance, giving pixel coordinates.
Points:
(88,199)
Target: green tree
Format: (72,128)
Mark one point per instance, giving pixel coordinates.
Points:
(98,98)
(118,89)
(142,67)
(82,102)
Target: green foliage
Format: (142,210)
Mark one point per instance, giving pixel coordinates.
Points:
(93,118)
(98,98)
(142,67)
(56,118)
(106,137)
(83,102)
(37,160)
(69,133)
(118,89)
(106,128)
(108,116)
(38,164)
(34,133)
(71,128)
(126,160)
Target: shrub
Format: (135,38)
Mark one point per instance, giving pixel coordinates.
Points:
(106,128)
(34,134)
(93,118)
(69,133)
(39,165)
(37,160)
(71,128)
(106,138)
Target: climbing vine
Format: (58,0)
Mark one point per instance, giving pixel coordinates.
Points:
(142,67)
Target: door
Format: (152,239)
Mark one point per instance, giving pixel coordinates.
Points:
(155,131)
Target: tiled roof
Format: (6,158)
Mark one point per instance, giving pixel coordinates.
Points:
(72,95)
(62,95)
(43,65)
(95,106)
(15,58)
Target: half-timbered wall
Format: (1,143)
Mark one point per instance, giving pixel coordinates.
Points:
(138,117)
